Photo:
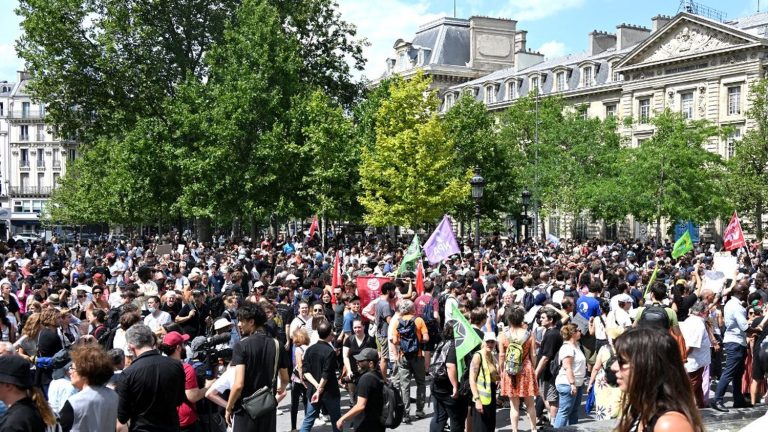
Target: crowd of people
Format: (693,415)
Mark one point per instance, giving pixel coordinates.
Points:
(173,334)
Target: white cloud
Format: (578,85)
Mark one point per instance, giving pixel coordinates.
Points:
(552,49)
(382,22)
(531,10)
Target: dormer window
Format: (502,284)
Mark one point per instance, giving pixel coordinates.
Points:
(615,75)
(535,84)
(512,90)
(560,81)
(402,61)
(490,94)
(588,76)
(448,101)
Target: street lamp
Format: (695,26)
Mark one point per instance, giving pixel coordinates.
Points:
(478,183)
(526,196)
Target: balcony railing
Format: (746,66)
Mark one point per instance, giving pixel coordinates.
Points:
(57,164)
(25,115)
(41,164)
(40,137)
(24,165)
(23,137)
(30,190)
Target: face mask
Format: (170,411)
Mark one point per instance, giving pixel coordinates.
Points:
(151,310)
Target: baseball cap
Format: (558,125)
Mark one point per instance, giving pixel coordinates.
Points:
(489,336)
(175,339)
(367,354)
(15,370)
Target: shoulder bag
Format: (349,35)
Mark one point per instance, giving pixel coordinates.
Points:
(263,401)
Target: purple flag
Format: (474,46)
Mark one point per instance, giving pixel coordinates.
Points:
(442,243)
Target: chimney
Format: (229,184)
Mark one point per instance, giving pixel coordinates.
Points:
(520,39)
(22,76)
(601,41)
(659,21)
(491,43)
(628,35)
(526,59)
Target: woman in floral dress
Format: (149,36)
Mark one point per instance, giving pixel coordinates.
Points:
(523,385)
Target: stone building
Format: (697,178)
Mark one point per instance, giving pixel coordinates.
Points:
(32,159)
(688,63)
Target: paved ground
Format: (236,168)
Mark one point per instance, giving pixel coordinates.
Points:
(731,421)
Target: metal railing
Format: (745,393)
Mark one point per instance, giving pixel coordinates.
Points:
(23,137)
(40,164)
(25,114)
(24,164)
(30,190)
(57,164)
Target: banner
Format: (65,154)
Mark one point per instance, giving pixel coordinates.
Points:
(554,240)
(369,287)
(313,228)
(442,243)
(411,256)
(682,246)
(336,277)
(725,263)
(464,337)
(733,237)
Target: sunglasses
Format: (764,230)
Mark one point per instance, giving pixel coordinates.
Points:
(318,310)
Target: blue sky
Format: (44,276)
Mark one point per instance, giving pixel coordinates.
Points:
(555,27)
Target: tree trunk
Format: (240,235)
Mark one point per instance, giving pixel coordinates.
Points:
(203,229)
(759,222)
(254,231)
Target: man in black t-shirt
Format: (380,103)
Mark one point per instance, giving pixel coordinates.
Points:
(550,346)
(445,391)
(320,374)
(370,394)
(254,361)
(23,415)
(194,316)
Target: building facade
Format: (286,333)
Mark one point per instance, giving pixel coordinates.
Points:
(32,159)
(688,63)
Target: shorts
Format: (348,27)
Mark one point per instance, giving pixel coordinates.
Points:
(382,346)
(548,390)
(757,368)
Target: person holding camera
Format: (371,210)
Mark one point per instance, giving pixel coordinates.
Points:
(173,347)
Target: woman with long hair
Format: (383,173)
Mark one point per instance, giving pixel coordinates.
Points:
(28,410)
(7,329)
(657,392)
(26,346)
(483,376)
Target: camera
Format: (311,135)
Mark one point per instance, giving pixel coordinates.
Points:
(212,354)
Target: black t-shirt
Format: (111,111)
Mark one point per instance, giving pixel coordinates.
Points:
(371,388)
(172,310)
(550,347)
(329,313)
(685,305)
(22,417)
(320,361)
(338,317)
(195,326)
(355,349)
(257,353)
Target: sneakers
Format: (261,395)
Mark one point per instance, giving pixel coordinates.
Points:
(420,415)
(320,421)
(406,419)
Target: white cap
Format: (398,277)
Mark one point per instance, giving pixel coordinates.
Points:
(291,277)
(221,323)
(489,336)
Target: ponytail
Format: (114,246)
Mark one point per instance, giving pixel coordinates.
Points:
(42,406)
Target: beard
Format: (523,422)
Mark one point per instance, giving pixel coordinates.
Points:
(363,367)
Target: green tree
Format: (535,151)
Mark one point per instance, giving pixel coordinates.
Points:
(748,168)
(478,144)
(672,176)
(331,148)
(407,177)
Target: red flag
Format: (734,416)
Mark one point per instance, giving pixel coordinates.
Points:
(336,277)
(313,227)
(420,278)
(733,237)
(368,288)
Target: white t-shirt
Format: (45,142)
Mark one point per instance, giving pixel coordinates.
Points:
(155,322)
(225,381)
(579,365)
(696,337)
(451,300)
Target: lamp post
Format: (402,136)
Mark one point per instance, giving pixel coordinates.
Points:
(526,197)
(478,183)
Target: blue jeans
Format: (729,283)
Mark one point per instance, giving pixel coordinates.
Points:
(332,404)
(732,372)
(568,410)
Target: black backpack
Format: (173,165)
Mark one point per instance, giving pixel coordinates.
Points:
(654,316)
(441,299)
(428,315)
(528,300)
(437,368)
(393,409)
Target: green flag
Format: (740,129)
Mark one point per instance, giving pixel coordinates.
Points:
(464,337)
(651,280)
(682,245)
(411,256)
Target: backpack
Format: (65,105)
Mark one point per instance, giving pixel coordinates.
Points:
(554,366)
(437,368)
(441,300)
(409,344)
(655,316)
(610,375)
(528,300)
(107,339)
(513,363)
(393,409)
(428,315)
